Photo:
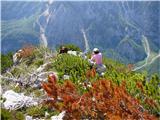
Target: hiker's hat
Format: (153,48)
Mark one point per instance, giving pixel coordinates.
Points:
(95,50)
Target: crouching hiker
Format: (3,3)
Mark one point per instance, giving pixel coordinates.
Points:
(96,59)
(63,50)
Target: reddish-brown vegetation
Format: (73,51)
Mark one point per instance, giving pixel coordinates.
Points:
(91,73)
(130,67)
(103,101)
(25,51)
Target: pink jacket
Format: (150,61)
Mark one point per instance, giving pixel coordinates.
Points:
(97,58)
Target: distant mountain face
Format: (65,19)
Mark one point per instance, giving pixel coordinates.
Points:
(114,27)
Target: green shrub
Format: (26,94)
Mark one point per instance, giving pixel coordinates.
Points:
(70,47)
(17,89)
(17,71)
(11,115)
(38,62)
(6,115)
(71,65)
(29,60)
(37,93)
(6,61)
(19,116)
(36,111)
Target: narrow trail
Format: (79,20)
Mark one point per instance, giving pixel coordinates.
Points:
(148,52)
(85,40)
(153,59)
(46,14)
(124,8)
(146,47)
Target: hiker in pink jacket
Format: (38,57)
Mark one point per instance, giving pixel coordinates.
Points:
(97,57)
(96,60)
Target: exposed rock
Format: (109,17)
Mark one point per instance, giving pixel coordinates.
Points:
(58,117)
(31,118)
(28,117)
(66,77)
(16,101)
(42,67)
(72,52)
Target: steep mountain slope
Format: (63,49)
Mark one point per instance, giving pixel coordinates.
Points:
(16,33)
(130,49)
(153,67)
(151,62)
(115,27)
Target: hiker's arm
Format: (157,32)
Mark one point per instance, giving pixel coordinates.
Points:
(92,57)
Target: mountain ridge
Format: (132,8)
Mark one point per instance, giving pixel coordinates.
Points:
(105,24)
